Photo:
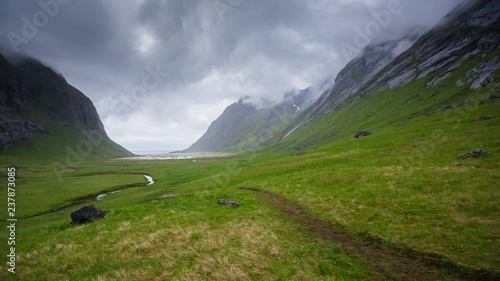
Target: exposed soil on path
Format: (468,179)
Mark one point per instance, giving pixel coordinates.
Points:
(391,261)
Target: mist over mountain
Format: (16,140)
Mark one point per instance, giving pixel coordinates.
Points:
(264,121)
(466,33)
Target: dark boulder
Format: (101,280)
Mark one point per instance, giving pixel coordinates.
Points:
(475,153)
(228,203)
(362,134)
(485,117)
(87,214)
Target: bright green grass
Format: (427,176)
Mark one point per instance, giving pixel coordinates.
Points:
(187,237)
(404,183)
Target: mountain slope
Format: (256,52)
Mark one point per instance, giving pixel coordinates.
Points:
(458,56)
(464,34)
(221,132)
(264,126)
(466,41)
(43,115)
(242,127)
(358,71)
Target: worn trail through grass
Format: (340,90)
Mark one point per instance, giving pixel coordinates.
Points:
(394,262)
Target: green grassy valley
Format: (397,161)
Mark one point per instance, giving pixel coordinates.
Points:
(384,166)
(401,191)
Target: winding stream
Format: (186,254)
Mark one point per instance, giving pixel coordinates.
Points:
(101,196)
(90,198)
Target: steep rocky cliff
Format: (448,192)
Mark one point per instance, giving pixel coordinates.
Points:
(35,101)
(466,33)
(15,123)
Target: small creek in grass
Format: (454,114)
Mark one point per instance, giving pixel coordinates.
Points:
(90,198)
(102,195)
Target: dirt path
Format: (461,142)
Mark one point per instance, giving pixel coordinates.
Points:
(392,262)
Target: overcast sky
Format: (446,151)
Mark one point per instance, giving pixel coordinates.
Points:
(159,72)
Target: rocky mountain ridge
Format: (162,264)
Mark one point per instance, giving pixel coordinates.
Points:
(467,32)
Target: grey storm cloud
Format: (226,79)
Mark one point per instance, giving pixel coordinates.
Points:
(206,53)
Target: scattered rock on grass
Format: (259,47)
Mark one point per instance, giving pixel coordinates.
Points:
(475,153)
(362,134)
(87,214)
(228,203)
(163,197)
(446,107)
(166,196)
(485,117)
